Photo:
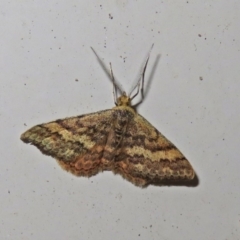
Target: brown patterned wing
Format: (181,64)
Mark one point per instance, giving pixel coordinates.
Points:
(77,143)
(148,157)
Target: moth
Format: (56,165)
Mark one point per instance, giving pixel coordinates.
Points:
(118,140)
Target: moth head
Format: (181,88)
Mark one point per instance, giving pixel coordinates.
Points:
(124,100)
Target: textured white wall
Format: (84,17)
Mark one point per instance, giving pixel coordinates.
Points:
(45,47)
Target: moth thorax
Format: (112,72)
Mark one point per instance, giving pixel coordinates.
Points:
(124,100)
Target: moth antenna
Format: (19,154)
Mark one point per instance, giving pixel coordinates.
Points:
(142,86)
(102,64)
(114,85)
(140,81)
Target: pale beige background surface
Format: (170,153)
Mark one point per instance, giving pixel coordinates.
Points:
(45,47)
